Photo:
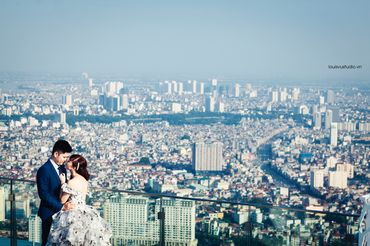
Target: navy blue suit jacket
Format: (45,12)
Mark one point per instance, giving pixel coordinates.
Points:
(48,187)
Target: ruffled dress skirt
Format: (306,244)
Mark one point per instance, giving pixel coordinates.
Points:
(80,226)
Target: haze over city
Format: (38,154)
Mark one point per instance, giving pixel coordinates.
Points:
(252,40)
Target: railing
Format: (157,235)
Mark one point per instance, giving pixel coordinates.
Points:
(139,218)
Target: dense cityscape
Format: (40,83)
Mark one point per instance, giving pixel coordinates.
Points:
(301,147)
(184,123)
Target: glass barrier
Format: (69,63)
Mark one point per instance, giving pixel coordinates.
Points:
(19,201)
(151,219)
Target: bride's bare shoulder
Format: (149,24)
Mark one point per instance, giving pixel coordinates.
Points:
(77,182)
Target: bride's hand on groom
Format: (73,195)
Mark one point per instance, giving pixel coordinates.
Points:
(68,206)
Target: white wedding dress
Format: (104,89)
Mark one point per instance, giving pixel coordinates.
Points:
(81,225)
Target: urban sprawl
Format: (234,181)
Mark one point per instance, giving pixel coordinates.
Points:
(301,147)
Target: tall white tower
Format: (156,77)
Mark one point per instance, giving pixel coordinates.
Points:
(334,134)
(210,104)
(328,118)
(194,86)
(237,90)
(201,91)
(34,229)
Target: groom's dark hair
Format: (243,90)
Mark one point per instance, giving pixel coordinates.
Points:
(62,146)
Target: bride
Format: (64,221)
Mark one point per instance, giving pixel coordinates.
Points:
(81,225)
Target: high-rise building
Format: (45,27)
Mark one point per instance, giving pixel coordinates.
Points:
(317,178)
(201,90)
(194,86)
(174,86)
(237,90)
(274,96)
(62,118)
(129,219)
(214,93)
(180,88)
(101,99)
(347,126)
(321,100)
(169,87)
(334,134)
(283,95)
(220,107)
(108,103)
(111,102)
(214,82)
(338,179)
(330,97)
(210,104)
(179,221)
(317,120)
(207,157)
(133,221)
(295,94)
(90,82)
(113,87)
(124,101)
(346,167)
(67,100)
(116,105)
(364,126)
(2,203)
(34,229)
(328,118)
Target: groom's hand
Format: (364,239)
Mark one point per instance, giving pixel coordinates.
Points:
(68,206)
(62,178)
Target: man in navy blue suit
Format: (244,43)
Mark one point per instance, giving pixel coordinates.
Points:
(48,186)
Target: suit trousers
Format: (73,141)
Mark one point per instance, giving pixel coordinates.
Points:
(46,225)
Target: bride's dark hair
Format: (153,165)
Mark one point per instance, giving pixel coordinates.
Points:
(80,163)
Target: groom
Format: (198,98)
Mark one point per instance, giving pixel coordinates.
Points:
(48,186)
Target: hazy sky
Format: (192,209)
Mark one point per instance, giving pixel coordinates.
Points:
(272,40)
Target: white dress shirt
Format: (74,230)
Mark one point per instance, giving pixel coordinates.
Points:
(55,166)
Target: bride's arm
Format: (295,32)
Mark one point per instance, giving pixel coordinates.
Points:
(63,197)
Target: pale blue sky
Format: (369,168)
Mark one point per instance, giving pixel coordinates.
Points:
(251,40)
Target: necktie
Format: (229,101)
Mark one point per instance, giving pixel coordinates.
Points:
(61,170)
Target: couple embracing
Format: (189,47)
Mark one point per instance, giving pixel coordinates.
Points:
(66,219)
